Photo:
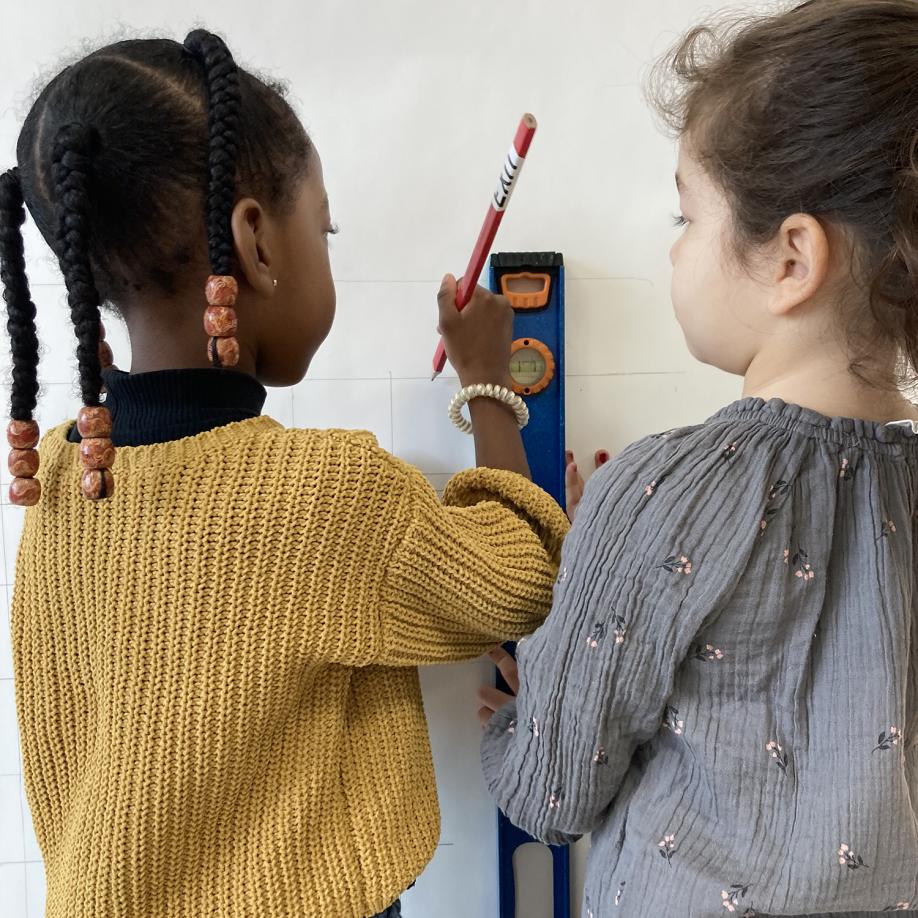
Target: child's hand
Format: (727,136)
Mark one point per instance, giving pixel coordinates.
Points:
(493,699)
(478,339)
(573,481)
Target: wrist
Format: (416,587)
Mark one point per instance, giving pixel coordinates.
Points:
(489,405)
(486,394)
(473,376)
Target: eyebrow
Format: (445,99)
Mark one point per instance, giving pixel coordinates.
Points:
(679,183)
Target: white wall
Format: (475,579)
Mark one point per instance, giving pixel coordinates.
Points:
(412,105)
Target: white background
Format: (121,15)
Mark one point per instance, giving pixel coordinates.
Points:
(412,105)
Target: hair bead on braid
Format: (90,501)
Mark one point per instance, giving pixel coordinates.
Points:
(23,436)
(106,357)
(220,320)
(23,463)
(222,80)
(97,452)
(25,492)
(93,423)
(97,484)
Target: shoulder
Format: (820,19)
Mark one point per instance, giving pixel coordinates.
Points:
(726,447)
(349,458)
(305,437)
(331,442)
(682,492)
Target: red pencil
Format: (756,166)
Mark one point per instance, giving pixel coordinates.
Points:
(509,173)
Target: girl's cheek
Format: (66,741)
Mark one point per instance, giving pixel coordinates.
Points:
(678,244)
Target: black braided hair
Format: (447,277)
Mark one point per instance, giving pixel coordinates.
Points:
(74,148)
(116,153)
(183,130)
(20,309)
(222,80)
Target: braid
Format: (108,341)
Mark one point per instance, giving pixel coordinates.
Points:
(22,432)
(74,147)
(222,79)
(19,306)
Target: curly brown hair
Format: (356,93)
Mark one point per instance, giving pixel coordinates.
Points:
(814,109)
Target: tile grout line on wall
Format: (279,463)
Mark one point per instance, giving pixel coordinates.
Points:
(391,416)
(410,281)
(393,378)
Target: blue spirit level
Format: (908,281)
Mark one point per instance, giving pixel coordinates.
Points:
(534,284)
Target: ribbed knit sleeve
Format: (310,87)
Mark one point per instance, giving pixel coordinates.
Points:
(472,571)
(382,572)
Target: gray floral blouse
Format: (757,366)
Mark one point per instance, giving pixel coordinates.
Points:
(726,690)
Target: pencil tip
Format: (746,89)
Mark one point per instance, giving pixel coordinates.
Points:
(432,378)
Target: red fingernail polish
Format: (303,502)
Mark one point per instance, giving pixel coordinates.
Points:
(602,457)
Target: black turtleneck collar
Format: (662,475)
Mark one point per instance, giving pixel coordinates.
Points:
(170,404)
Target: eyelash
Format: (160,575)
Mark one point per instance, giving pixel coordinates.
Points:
(679,220)
(333,230)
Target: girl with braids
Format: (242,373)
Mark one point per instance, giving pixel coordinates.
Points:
(217,622)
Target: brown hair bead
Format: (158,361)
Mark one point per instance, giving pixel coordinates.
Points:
(221,290)
(25,492)
(223,352)
(220,321)
(22,434)
(97,453)
(97,484)
(106,357)
(23,463)
(94,421)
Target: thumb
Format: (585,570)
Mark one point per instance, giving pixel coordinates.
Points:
(446,295)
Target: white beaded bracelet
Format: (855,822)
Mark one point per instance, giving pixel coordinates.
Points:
(479,390)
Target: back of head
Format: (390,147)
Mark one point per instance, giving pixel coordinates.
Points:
(815,110)
(138,112)
(130,162)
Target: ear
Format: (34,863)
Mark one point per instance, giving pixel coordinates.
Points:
(802,263)
(253,243)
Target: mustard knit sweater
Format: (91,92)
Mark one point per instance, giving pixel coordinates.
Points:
(216,677)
